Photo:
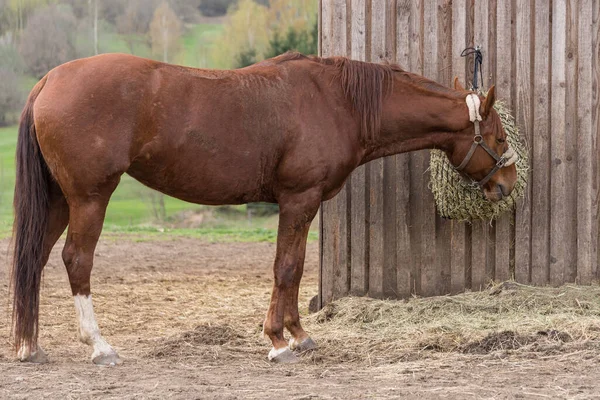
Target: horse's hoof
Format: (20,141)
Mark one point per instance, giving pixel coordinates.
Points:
(37,357)
(306,345)
(283,357)
(110,360)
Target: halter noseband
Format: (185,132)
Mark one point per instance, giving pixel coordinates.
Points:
(508,158)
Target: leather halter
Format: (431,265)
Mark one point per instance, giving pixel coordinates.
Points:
(508,158)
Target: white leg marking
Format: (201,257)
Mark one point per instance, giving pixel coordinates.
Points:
(88,328)
(275,352)
(36,356)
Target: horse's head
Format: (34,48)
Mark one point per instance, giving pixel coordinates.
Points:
(481,152)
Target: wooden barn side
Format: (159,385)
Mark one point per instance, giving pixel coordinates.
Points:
(382,237)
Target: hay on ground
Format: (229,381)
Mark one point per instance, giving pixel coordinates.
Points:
(510,319)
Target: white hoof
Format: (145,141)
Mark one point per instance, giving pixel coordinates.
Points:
(283,356)
(111,359)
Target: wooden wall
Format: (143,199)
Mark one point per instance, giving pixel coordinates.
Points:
(381,235)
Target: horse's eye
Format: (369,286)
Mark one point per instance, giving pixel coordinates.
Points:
(500,141)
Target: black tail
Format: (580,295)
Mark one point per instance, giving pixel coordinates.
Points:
(31,218)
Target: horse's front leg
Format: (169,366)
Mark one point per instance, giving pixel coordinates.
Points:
(295,216)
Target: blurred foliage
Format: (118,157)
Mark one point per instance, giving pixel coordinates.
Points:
(165,32)
(48,39)
(245,30)
(11,96)
(245,58)
(253,31)
(214,8)
(303,41)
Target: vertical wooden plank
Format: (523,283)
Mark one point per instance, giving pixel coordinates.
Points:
(415,160)
(376,214)
(334,276)
(427,216)
(524,120)
(596,131)
(481,272)
(326,227)
(586,194)
(558,169)
(540,183)
(443,227)
(403,188)
(358,204)
(504,73)
(570,156)
(458,253)
(390,178)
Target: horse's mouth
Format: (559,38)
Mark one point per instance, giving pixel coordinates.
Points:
(493,195)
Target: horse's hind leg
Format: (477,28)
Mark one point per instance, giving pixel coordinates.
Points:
(58,219)
(85,225)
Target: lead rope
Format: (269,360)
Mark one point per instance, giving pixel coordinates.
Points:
(478,64)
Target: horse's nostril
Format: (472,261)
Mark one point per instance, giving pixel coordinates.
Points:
(504,190)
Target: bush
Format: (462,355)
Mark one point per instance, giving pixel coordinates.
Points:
(48,39)
(303,41)
(215,8)
(11,96)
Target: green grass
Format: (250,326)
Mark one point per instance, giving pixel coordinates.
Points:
(220,235)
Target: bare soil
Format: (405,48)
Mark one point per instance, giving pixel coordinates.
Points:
(186,315)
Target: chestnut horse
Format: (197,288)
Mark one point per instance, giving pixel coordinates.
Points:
(288,130)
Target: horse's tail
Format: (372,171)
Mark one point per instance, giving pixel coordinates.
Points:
(31,218)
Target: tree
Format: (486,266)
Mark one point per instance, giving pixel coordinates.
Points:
(48,39)
(214,8)
(245,58)
(247,29)
(135,22)
(22,9)
(303,41)
(254,31)
(186,10)
(11,97)
(165,31)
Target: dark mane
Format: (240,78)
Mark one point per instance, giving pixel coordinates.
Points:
(364,84)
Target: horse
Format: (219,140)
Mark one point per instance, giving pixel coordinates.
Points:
(288,130)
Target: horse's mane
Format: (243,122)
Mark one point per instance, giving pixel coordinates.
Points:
(366,85)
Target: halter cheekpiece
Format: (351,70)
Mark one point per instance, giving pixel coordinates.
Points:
(508,158)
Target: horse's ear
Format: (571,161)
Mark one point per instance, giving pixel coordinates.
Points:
(489,101)
(457,85)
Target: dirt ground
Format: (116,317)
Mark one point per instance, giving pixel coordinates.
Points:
(185,316)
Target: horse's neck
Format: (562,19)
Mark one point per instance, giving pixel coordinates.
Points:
(414,119)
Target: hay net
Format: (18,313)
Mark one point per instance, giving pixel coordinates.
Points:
(457,199)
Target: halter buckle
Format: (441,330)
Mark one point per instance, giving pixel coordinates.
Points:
(478,139)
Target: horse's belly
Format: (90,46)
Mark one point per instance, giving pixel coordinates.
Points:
(204,183)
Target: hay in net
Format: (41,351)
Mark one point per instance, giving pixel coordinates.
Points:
(456,199)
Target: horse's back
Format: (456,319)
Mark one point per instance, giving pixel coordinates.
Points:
(186,132)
